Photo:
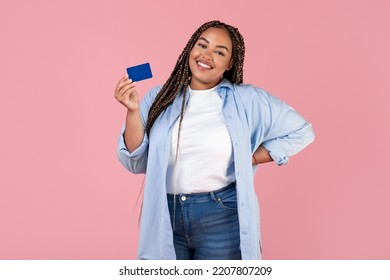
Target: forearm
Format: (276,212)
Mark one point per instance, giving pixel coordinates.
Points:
(261,155)
(134,131)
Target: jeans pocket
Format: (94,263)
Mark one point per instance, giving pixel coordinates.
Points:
(228,200)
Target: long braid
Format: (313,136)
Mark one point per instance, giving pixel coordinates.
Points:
(178,80)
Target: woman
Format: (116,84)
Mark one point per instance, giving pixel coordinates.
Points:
(199,138)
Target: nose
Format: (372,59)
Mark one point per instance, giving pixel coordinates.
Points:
(207,55)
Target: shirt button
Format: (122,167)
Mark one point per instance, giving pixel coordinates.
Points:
(183,198)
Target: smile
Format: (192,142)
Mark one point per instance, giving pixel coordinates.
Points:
(201,64)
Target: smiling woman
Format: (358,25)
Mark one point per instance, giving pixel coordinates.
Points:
(210,58)
(198,138)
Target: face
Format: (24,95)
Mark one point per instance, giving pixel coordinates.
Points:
(210,57)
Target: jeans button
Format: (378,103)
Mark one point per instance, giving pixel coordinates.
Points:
(183,198)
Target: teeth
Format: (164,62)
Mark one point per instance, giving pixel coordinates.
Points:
(204,65)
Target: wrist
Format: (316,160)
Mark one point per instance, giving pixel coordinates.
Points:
(254,162)
(133,112)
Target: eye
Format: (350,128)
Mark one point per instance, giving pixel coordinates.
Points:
(220,53)
(203,46)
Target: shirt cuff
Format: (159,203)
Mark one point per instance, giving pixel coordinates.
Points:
(276,151)
(137,153)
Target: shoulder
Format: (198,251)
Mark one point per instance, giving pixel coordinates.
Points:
(251,94)
(154,91)
(249,89)
(248,93)
(151,94)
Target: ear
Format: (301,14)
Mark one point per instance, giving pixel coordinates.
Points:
(230,65)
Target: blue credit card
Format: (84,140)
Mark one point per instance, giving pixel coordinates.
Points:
(139,72)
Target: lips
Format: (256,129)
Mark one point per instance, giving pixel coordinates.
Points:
(204,64)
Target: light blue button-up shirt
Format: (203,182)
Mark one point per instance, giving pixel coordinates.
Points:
(253,118)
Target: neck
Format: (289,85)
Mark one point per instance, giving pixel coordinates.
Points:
(202,86)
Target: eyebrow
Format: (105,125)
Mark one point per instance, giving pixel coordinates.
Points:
(218,46)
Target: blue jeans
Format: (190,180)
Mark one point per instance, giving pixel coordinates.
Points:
(205,225)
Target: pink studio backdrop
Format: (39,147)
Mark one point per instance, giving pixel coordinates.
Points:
(64,195)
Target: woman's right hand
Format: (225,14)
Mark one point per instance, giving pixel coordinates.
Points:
(126,94)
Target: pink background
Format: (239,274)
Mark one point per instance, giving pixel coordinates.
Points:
(63,193)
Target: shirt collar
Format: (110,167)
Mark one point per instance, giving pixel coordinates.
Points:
(225,83)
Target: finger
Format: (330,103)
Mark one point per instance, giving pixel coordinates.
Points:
(129,94)
(123,85)
(122,82)
(125,88)
(124,78)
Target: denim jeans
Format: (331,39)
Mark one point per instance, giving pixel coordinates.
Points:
(205,225)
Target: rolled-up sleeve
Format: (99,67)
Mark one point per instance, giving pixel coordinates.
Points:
(136,161)
(285,132)
(282,148)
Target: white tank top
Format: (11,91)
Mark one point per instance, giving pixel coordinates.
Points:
(205,148)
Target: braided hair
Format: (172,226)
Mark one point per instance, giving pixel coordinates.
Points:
(179,78)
